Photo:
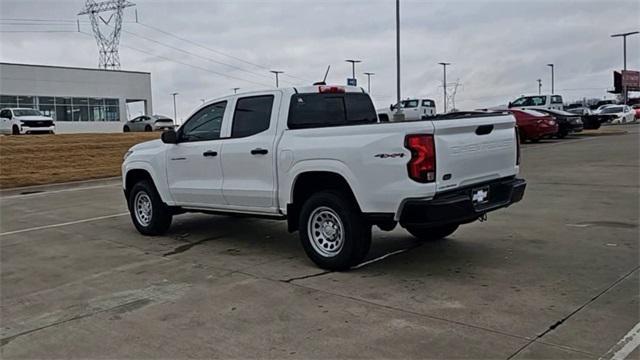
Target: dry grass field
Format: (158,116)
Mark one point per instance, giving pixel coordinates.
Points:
(46,159)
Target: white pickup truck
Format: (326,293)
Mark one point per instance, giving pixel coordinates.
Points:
(318,158)
(413,110)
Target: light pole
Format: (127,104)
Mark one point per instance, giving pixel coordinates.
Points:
(235,90)
(369,81)
(539,86)
(277,72)
(175,112)
(552,80)
(444,83)
(398,116)
(353,67)
(202,101)
(624,57)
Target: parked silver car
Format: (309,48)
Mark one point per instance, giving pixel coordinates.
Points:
(149,123)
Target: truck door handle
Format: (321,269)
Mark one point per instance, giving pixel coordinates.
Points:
(484,129)
(210,153)
(259,151)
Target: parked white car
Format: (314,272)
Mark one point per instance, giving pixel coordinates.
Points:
(413,110)
(620,114)
(149,123)
(538,102)
(318,158)
(16,121)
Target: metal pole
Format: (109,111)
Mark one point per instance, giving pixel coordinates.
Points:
(552,79)
(235,90)
(353,67)
(444,84)
(175,112)
(369,81)
(624,56)
(539,86)
(277,72)
(398,115)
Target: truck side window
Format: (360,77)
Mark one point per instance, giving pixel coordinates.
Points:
(5,114)
(428,103)
(322,110)
(205,124)
(252,115)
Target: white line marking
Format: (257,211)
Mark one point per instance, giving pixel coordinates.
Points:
(47,192)
(626,345)
(63,224)
(380,258)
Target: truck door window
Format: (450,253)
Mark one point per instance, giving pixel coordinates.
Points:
(252,115)
(428,103)
(556,99)
(5,114)
(205,124)
(408,104)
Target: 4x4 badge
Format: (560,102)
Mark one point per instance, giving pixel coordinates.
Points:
(385,156)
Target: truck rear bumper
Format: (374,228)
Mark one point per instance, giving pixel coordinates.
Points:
(457,206)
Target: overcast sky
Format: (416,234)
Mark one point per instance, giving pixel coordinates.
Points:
(498,49)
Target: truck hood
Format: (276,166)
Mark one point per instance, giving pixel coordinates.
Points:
(147,145)
(33,118)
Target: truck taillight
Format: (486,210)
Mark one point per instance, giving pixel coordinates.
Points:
(517,145)
(324,89)
(422,166)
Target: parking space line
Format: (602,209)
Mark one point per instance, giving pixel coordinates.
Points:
(626,345)
(63,224)
(47,192)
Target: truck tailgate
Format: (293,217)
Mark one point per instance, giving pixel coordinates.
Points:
(474,150)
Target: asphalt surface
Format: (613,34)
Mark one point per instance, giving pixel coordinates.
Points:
(555,276)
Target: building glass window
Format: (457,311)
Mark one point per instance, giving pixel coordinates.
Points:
(97,113)
(111,102)
(96,101)
(8,101)
(63,113)
(112,113)
(80,113)
(63,101)
(26,102)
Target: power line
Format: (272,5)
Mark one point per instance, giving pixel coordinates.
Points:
(37,31)
(40,21)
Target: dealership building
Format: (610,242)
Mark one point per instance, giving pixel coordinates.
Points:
(78,99)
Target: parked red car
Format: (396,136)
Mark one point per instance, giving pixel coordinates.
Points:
(636,108)
(534,125)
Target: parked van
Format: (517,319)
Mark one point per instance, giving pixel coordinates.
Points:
(538,102)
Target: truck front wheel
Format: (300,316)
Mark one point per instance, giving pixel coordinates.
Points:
(333,232)
(433,233)
(149,214)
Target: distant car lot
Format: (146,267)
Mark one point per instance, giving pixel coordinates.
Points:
(555,276)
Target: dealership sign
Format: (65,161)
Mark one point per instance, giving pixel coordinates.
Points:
(631,79)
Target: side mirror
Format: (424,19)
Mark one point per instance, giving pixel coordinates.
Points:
(169,137)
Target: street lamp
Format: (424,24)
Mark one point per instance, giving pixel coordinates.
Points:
(444,83)
(624,56)
(235,90)
(369,81)
(277,72)
(353,67)
(539,86)
(175,113)
(552,80)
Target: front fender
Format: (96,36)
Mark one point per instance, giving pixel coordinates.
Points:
(158,179)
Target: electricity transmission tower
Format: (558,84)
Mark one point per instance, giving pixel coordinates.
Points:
(452,89)
(108,41)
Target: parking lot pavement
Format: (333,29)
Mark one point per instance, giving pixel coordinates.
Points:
(555,276)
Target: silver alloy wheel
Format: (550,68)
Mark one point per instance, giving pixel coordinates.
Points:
(325,231)
(142,208)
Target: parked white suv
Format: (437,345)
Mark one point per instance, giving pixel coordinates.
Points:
(16,121)
(413,110)
(318,158)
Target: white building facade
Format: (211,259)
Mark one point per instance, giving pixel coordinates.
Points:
(78,99)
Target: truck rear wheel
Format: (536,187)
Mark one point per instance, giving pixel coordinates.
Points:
(433,233)
(149,214)
(333,232)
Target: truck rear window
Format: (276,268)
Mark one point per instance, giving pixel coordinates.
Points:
(321,110)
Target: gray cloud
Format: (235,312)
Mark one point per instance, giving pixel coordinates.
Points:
(498,48)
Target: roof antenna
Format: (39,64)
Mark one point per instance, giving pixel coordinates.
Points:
(324,81)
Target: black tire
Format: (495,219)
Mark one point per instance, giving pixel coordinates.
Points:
(126,129)
(562,134)
(148,128)
(15,130)
(356,232)
(160,214)
(432,234)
